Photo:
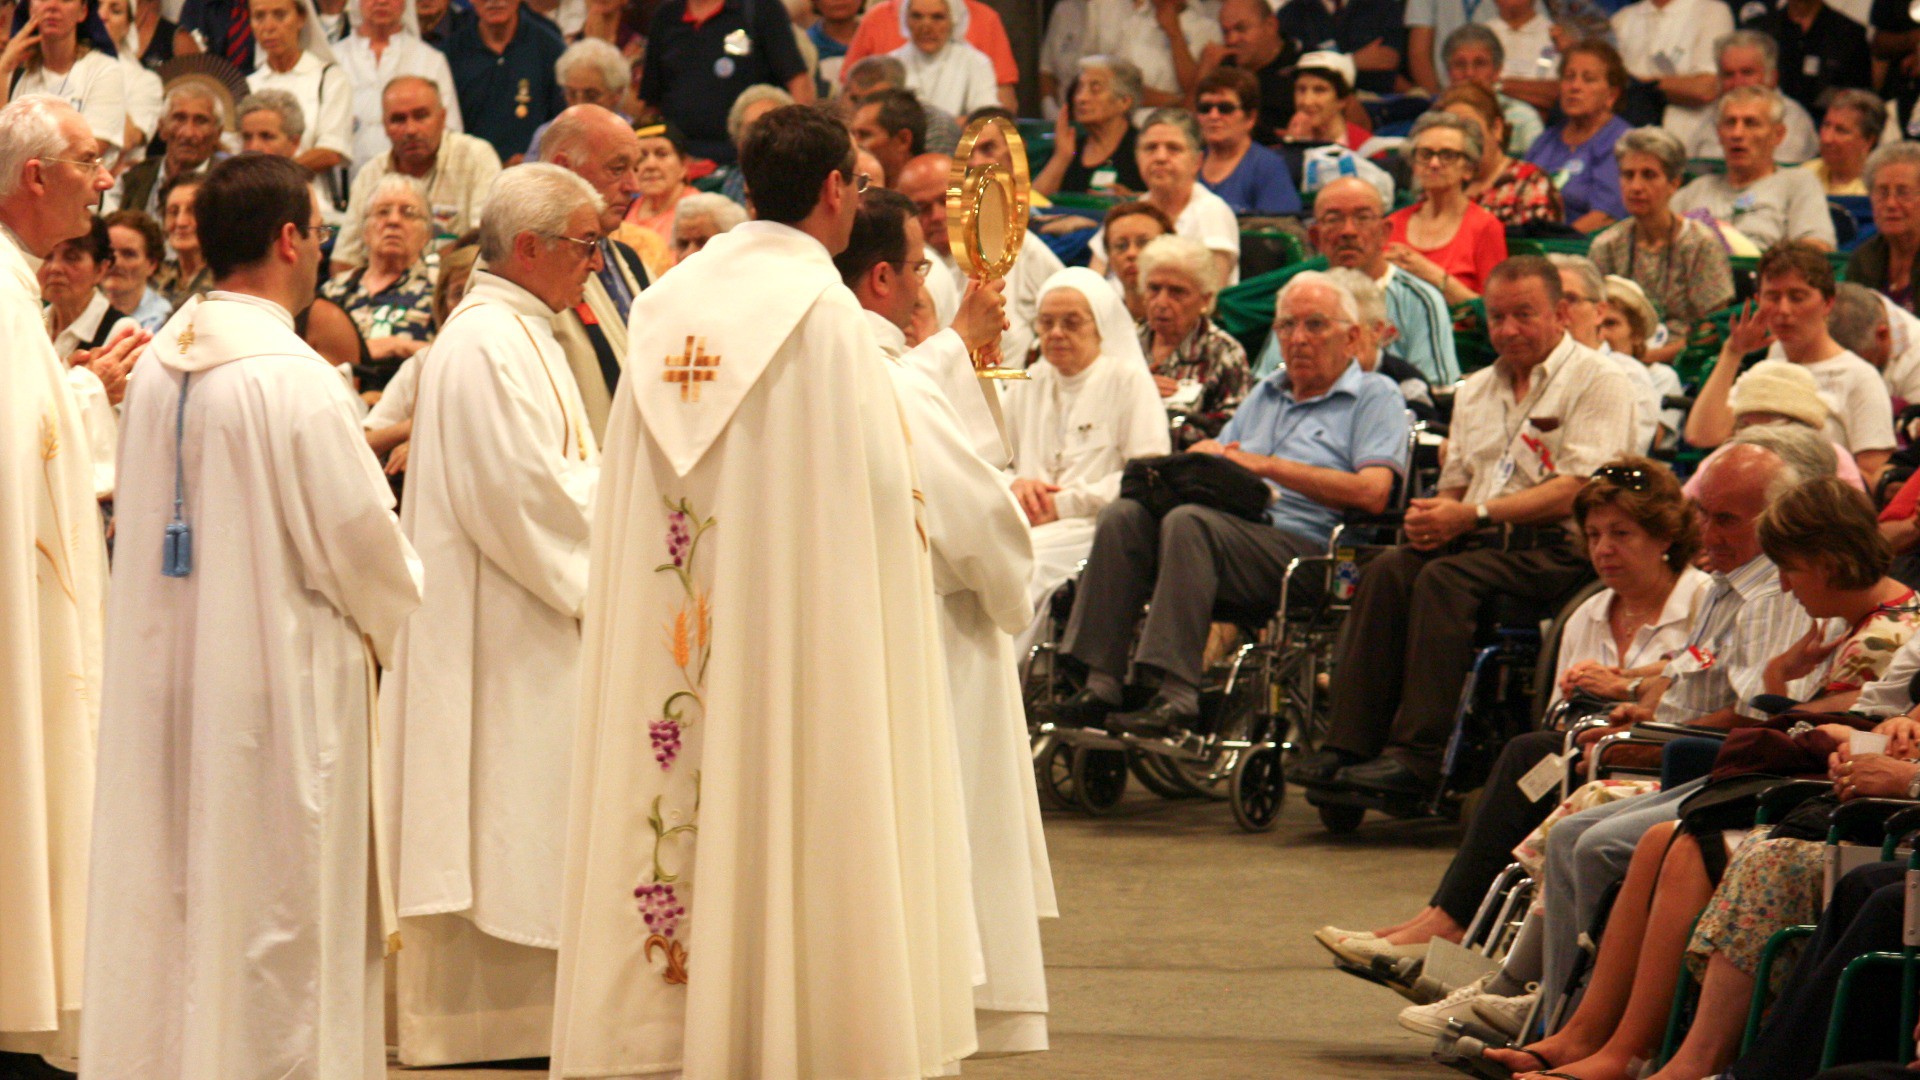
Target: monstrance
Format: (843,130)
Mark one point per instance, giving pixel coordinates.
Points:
(987,216)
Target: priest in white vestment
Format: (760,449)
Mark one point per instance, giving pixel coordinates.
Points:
(767,866)
(53,576)
(482,697)
(924,180)
(1085,413)
(982,557)
(233,926)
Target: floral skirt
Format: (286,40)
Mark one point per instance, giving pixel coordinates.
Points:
(1769,885)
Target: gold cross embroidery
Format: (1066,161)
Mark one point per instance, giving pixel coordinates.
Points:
(185,341)
(690,369)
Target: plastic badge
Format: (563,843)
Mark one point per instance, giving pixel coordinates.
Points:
(1346,574)
(1543,777)
(738,43)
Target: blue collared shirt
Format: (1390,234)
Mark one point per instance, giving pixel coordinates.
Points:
(152,312)
(1360,421)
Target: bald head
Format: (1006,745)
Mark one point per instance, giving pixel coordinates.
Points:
(1350,226)
(1731,491)
(924,180)
(1250,33)
(865,162)
(599,147)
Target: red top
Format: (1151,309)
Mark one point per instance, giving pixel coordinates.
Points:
(1357,136)
(1477,247)
(880,33)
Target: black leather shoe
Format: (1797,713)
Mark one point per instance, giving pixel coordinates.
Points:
(1319,767)
(1158,720)
(1084,709)
(1382,774)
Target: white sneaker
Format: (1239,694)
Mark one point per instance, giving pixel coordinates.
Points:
(1330,937)
(1362,952)
(1432,1019)
(1506,1014)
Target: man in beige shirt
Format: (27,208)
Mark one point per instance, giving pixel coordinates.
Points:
(455,169)
(1526,434)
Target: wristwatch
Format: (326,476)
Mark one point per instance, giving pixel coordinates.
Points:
(1913,786)
(1482,515)
(1633,686)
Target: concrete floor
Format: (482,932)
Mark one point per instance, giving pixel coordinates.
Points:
(1184,949)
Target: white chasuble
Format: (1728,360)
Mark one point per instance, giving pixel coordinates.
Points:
(52,602)
(943,358)
(767,866)
(982,558)
(1032,268)
(482,698)
(232,930)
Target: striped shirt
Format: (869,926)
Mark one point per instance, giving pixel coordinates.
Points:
(1745,621)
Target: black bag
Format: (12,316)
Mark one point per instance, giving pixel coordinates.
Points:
(1162,483)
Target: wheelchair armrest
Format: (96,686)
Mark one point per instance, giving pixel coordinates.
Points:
(1577,710)
(1665,733)
(1904,822)
(1597,757)
(1780,799)
(1864,821)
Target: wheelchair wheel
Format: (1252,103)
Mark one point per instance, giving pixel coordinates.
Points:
(1341,820)
(1099,778)
(1257,789)
(1157,776)
(1053,769)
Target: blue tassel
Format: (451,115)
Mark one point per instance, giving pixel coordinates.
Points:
(176,550)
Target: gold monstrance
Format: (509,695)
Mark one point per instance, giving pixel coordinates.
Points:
(987,216)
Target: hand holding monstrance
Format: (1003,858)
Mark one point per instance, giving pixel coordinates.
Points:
(986,224)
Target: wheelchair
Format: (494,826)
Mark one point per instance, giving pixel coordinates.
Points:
(1259,704)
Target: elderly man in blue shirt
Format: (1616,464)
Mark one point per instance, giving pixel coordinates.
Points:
(1325,435)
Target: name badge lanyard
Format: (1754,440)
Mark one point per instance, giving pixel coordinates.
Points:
(1504,471)
(176,548)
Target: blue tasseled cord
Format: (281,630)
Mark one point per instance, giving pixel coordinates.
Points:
(176,550)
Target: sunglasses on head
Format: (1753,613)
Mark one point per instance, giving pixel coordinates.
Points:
(1634,478)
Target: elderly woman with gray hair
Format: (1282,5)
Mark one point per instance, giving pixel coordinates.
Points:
(1444,239)
(1199,369)
(699,218)
(1169,155)
(1093,137)
(1679,263)
(391,298)
(1885,262)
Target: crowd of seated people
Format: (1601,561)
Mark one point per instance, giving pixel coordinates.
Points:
(1694,399)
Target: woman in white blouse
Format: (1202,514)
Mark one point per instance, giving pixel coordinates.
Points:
(942,69)
(59,48)
(143,89)
(385,44)
(295,56)
(1170,151)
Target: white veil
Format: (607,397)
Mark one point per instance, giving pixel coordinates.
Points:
(1118,338)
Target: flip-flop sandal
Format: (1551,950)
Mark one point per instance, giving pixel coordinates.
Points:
(1489,1069)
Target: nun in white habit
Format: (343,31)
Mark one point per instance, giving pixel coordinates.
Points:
(385,44)
(1083,414)
(943,70)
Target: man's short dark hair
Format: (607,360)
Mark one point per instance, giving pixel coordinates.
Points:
(898,110)
(151,236)
(1797,257)
(242,206)
(1537,267)
(879,234)
(94,242)
(786,158)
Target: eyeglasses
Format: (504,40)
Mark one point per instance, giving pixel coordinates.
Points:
(323,233)
(92,164)
(861,182)
(1634,478)
(588,245)
(1314,325)
(1427,155)
(404,213)
(1227,107)
(920,269)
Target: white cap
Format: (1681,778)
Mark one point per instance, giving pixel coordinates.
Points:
(1327,60)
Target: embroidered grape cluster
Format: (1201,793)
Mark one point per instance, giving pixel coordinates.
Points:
(660,908)
(679,538)
(666,742)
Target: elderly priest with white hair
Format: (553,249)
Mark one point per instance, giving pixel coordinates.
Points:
(767,865)
(53,579)
(482,697)
(232,927)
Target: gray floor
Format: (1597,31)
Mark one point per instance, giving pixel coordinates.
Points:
(1184,947)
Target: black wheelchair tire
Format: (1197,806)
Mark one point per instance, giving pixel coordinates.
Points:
(1099,778)
(1257,789)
